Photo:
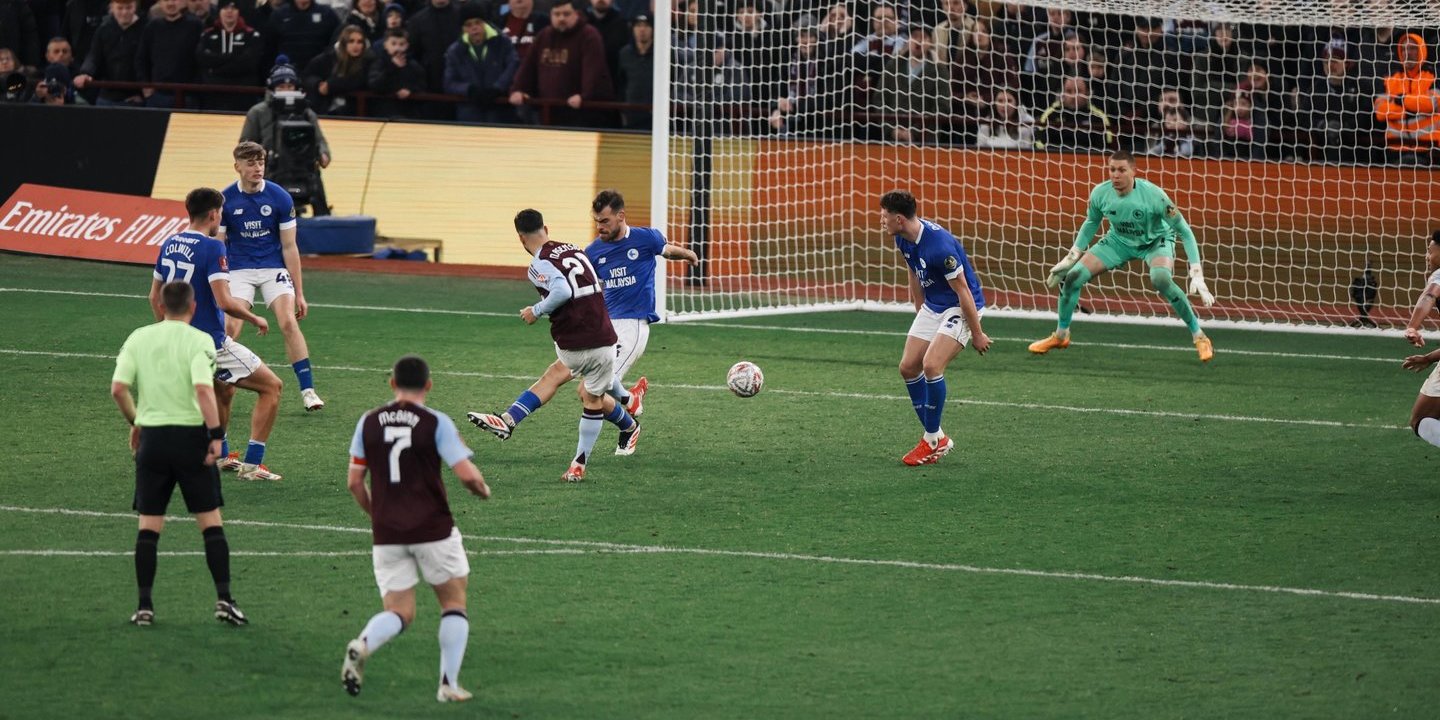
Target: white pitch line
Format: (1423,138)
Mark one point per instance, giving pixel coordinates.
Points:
(865,396)
(599,547)
(270,553)
(779,328)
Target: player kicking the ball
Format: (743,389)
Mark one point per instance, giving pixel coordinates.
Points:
(1143,225)
(948,300)
(1425,416)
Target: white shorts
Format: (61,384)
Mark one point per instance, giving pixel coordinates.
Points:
(634,335)
(400,567)
(272,283)
(929,323)
(594,366)
(235,362)
(1431,388)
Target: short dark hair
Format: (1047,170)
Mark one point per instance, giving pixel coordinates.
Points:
(900,202)
(574,4)
(249,150)
(529,221)
(1125,155)
(1435,238)
(201,201)
(397,33)
(176,296)
(411,373)
(608,199)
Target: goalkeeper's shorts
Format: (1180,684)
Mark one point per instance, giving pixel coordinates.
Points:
(1115,253)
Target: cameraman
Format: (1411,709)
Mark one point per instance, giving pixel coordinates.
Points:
(291,167)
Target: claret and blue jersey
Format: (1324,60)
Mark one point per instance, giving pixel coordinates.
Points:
(627,270)
(935,258)
(199,260)
(253,222)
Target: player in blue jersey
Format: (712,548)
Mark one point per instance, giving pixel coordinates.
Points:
(624,257)
(259,227)
(193,256)
(948,301)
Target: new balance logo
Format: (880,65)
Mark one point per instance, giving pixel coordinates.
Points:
(238,211)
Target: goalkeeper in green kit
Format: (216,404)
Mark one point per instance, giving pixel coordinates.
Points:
(1143,225)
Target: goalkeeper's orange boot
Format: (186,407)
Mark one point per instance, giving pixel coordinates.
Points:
(1205,348)
(1054,342)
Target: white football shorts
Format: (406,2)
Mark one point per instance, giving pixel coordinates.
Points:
(1431,388)
(235,362)
(272,283)
(400,567)
(594,366)
(929,323)
(634,335)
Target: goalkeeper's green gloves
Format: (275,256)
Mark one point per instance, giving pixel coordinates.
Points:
(1197,285)
(1057,273)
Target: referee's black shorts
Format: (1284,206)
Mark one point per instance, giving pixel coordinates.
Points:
(171,455)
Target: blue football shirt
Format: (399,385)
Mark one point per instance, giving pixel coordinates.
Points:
(199,260)
(627,270)
(936,258)
(253,222)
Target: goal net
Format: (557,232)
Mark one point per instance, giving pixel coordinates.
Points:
(1276,126)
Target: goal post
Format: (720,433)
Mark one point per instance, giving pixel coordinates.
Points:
(1268,123)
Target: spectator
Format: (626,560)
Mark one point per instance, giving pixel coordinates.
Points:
(365,14)
(301,30)
(814,90)
(981,72)
(230,53)
(9,64)
(567,62)
(339,72)
(614,30)
(393,19)
(756,49)
(112,54)
(520,23)
(481,65)
(1217,71)
(1409,106)
(1007,124)
(167,52)
(1015,26)
(1144,73)
(1237,129)
(1045,49)
(1186,37)
(1175,137)
(1072,123)
(431,32)
(55,88)
(837,31)
(915,92)
(635,80)
(1266,105)
(874,51)
(1375,54)
(82,19)
(19,32)
(1105,90)
(202,10)
(396,75)
(952,35)
(1331,110)
(58,51)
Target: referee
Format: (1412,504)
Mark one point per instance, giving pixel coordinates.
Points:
(175,435)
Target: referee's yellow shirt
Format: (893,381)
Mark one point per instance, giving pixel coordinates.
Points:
(163,363)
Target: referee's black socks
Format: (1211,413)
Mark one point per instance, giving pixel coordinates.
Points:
(217,556)
(146,555)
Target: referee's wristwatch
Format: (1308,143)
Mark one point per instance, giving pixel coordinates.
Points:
(216,433)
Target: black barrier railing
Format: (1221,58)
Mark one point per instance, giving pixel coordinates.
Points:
(183,91)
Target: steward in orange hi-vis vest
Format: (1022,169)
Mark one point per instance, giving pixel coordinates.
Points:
(1410,107)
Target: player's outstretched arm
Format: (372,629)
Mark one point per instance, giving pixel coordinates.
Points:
(234,308)
(978,339)
(290,251)
(471,478)
(1423,306)
(355,481)
(675,252)
(557,293)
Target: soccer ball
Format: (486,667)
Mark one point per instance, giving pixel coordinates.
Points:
(745,379)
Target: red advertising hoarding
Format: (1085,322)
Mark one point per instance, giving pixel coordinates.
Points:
(44,220)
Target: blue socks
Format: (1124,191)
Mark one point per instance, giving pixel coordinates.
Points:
(527,403)
(620,419)
(254,453)
(302,373)
(225,447)
(919,394)
(934,404)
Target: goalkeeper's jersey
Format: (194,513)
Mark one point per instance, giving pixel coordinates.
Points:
(1139,218)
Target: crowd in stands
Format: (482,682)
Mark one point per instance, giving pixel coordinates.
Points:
(997,75)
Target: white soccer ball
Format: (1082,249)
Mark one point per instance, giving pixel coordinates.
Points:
(745,379)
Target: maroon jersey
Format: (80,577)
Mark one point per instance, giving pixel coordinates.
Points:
(581,322)
(403,445)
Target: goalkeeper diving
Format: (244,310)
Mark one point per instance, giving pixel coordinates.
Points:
(1143,225)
